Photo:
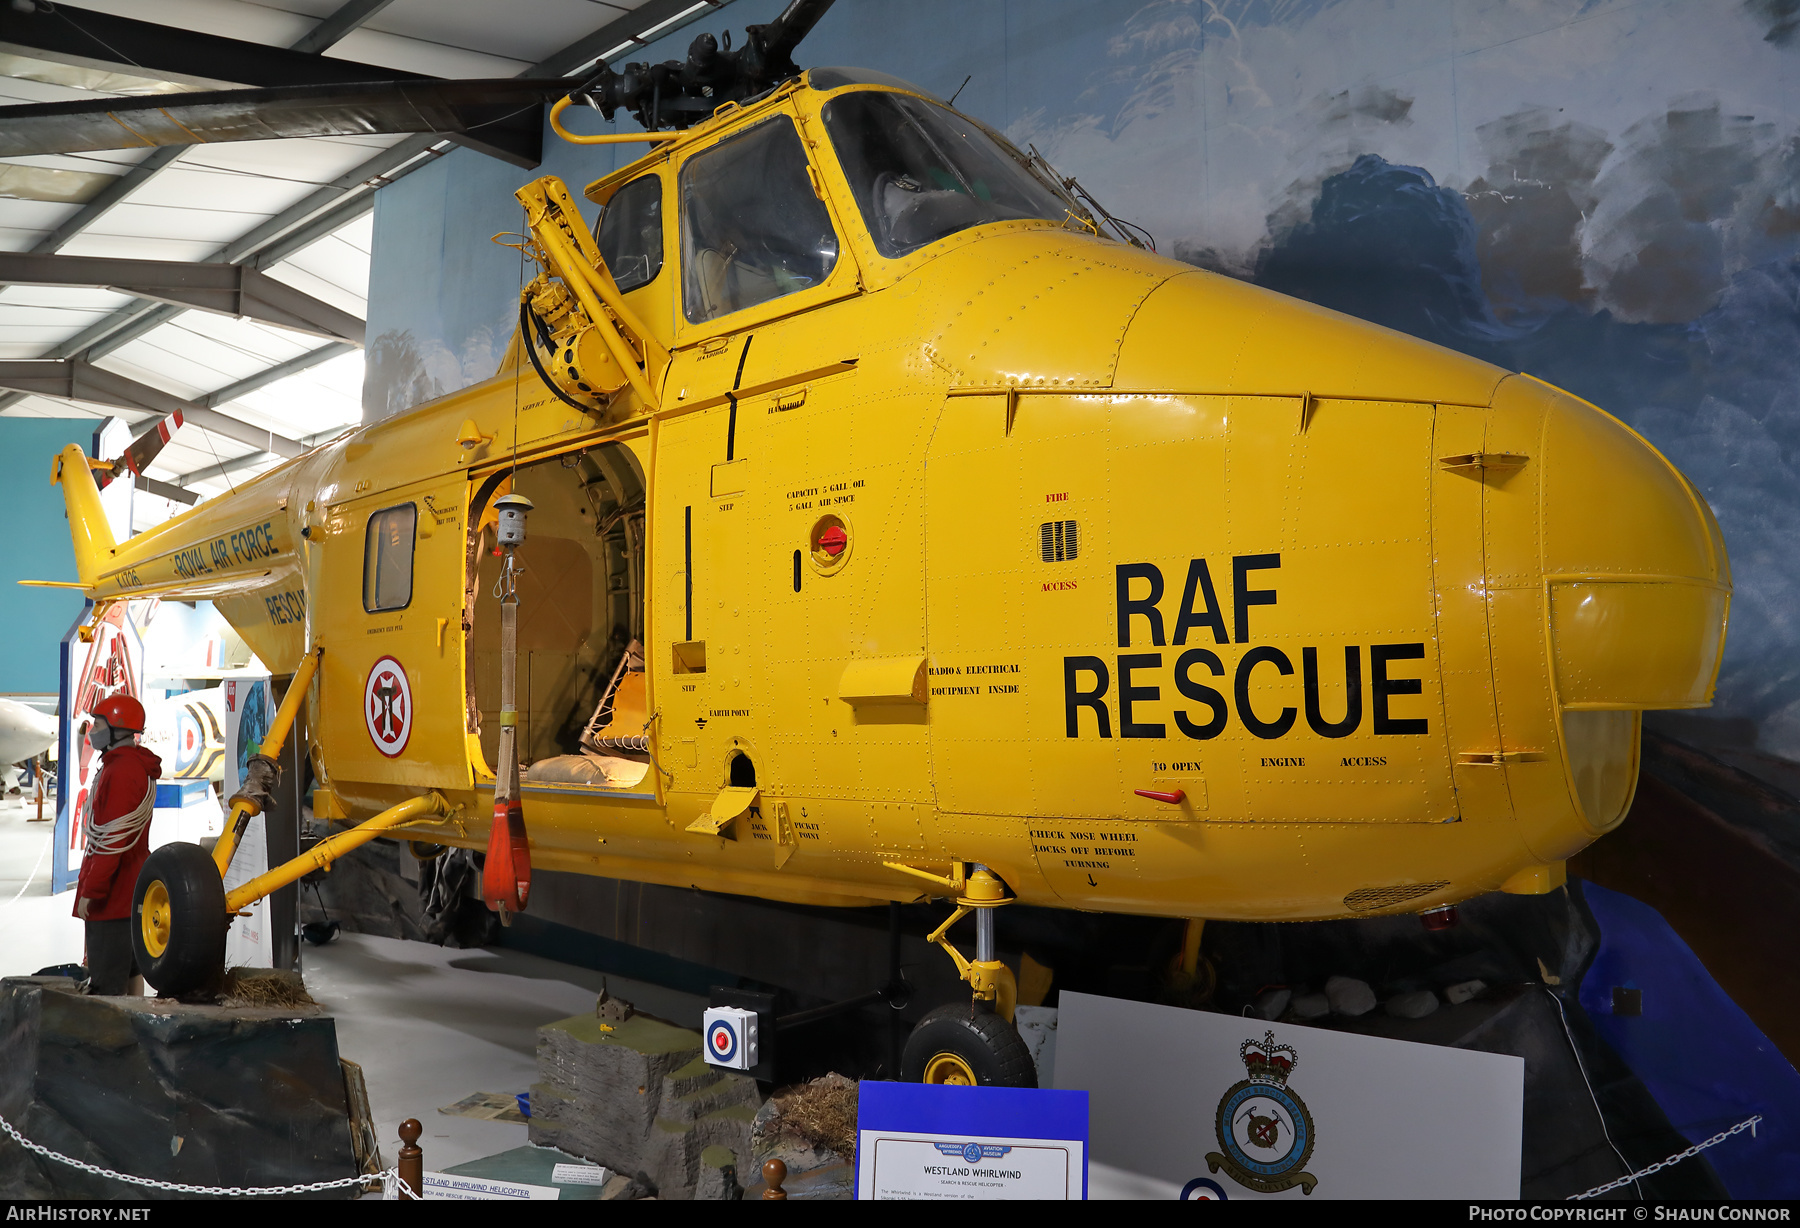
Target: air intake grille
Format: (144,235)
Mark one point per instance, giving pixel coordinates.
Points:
(1375,899)
(1058,540)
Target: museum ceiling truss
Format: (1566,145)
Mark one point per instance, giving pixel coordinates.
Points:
(101,303)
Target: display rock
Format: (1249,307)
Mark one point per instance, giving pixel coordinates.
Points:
(1414,1005)
(1310,1006)
(638,1097)
(1464,991)
(812,1129)
(1271,1004)
(229,1096)
(1349,996)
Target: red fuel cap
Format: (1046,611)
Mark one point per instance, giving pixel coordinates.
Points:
(833,540)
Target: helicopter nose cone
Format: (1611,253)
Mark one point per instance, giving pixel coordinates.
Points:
(1579,578)
(1634,574)
(1608,586)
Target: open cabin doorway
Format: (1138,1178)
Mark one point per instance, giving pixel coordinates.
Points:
(581,620)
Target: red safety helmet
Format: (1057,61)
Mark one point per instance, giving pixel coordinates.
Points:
(121,712)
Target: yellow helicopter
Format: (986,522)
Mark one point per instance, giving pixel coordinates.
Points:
(862,514)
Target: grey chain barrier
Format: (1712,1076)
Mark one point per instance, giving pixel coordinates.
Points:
(1749,1123)
(389,1178)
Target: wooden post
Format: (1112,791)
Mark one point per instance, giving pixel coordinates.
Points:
(774,1173)
(412,1158)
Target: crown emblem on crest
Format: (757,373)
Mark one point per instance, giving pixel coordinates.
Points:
(1267,1061)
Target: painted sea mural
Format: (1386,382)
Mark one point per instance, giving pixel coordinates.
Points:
(1604,193)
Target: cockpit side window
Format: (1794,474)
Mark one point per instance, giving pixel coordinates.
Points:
(630,233)
(752,228)
(921,171)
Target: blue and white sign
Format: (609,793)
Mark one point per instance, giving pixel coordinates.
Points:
(923,1141)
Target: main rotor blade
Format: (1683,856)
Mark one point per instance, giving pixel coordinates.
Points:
(379,107)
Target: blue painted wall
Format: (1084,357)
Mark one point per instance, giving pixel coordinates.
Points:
(35,547)
(1605,193)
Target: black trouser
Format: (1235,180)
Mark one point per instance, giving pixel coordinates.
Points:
(110,961)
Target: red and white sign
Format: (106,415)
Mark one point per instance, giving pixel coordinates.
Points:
(388,707)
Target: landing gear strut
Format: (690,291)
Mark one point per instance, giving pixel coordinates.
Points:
(976,1043)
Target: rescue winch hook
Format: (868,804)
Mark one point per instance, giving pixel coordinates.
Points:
(506,874)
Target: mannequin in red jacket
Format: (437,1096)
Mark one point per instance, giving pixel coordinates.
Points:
(120,806)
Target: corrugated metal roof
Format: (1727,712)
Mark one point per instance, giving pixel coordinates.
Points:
(212,197)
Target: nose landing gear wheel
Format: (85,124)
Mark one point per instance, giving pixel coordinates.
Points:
(178,920)
(968,1045)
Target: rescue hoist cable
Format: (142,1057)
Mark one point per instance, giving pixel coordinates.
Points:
(506,874)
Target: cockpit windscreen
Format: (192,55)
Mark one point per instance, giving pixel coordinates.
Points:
(921,171)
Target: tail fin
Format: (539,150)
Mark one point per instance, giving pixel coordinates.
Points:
(89,531)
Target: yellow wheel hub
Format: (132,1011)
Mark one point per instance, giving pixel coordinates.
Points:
(943,1068)
(156,918)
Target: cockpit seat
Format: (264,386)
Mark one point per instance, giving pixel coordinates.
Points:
(724,283)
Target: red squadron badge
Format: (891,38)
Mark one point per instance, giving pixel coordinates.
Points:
(388,707)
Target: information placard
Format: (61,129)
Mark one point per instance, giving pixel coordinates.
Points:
(923,1141)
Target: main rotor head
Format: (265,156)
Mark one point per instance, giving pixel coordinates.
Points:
(679,93)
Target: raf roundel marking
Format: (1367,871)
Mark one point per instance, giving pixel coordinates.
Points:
(1204,1189)
(722,1039)
(388,707)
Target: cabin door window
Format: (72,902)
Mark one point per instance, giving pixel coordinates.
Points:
(388,558)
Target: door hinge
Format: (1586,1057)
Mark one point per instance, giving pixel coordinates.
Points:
(1498,758)
(1476,464)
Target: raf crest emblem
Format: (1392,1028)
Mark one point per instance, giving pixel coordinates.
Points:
(1264,1129)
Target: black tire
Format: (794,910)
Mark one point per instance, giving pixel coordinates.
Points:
(191,912)
(989,1046)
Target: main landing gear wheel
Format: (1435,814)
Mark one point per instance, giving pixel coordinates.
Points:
(178,920)
(965,1043)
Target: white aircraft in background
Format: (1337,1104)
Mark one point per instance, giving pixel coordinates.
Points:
(25,733)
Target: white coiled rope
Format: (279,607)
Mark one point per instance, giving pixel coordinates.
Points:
(116,836)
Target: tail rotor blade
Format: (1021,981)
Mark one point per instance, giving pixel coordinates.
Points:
(143,449)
